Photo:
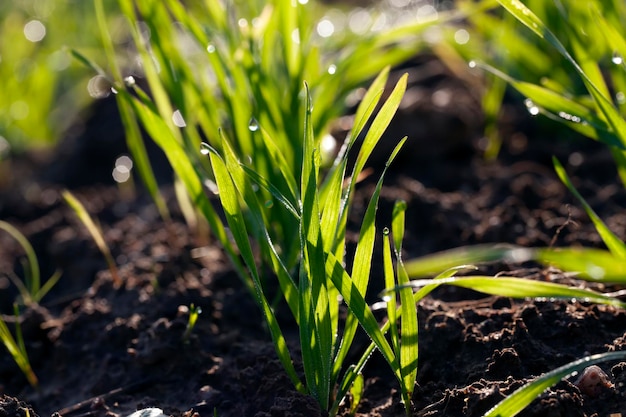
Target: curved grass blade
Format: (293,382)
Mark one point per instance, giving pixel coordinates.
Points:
(522,397)
(131,128)
(519,288)
(615,245)
(530,20)
(361,267)
(96,234)
(441,261)
(32,278)
(17,349)
(234,217)
(590,263)
(408,353)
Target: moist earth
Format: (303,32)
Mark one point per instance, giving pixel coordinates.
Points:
(99,350)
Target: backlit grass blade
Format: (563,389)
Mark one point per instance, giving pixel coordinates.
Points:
(592,264)
(521,288)
(563,109)
(238,176)
(131,128)
(32,275)
(362,263)
(234,217)
(360,309)
(435,263)
(615,245)
(17,350)
(95,233)
(408,324)
(316,329)
(523,396)
(184,169)
(379,125)
(331,190)
(354,370)
(529,19)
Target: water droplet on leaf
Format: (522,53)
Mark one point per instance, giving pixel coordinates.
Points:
(253,125)
(205,148)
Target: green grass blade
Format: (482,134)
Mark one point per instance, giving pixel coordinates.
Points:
(615,245)
(234,216)
(361,266)
(17,351)
(521,288)
(95,232)
(529,19)
(593,264)
(317,330)
(133,133)
(522,397)
(563,109)
(32,278)
(408,325)
(360,309)
(263,182)
(435,263)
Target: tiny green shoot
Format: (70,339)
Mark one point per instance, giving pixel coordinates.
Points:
(96,234)
(17,348)
(194,312)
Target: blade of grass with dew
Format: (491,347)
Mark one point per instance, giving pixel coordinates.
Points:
(530,20)
(520,288)
(32,275)
(316,330)
(362,263)
(184,170)
(132,131)
(564,110)
(523,396)
(95,232)
(17,349)
(408,353)
(238,174)
(234,217)
(379,125)
(615,245)
(330,194)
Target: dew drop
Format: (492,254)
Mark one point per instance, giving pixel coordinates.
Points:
(569,117)
(210,48)
(472,64)
(205,148)
(332,69)
(531,107)
(617,59)
(129,81)
(178,119)
(386,231)
(253,125)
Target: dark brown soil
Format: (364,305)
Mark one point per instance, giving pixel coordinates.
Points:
(102,351)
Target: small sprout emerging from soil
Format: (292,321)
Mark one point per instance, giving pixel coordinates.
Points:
(194,312)
(593,381)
